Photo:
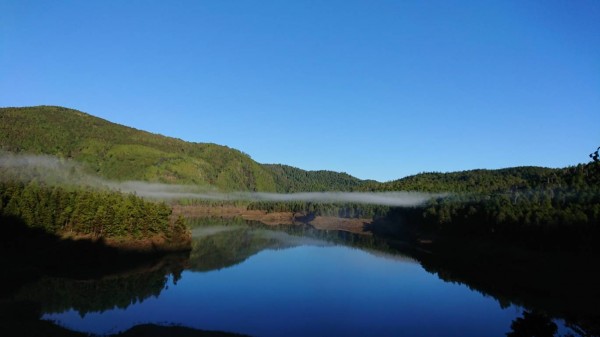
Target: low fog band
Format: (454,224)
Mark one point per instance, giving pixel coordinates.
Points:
(53,170)
(405,199)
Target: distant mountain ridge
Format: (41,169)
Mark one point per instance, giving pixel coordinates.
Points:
(119,152)
(292,179)
(481,180)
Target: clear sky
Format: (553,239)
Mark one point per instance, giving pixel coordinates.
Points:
(378,89)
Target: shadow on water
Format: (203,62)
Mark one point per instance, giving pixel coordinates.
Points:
(57,294)
(532,324)
(549,285)
(22,314)
(545,279)
(43,274)
(33,249)
(559,285)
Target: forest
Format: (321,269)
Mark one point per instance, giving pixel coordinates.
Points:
(117,152)
(86,212)
(561,207)
(550,208)
(342,210)
(289,179)
(519,203)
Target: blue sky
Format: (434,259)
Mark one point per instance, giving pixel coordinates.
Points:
(378,89)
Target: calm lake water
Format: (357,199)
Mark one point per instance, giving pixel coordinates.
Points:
(261,282)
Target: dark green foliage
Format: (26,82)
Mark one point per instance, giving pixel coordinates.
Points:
(550,208)
(85,211)
(595,155)
(547,208)
(594,167)
(290,179)
(342,210)
(475,181)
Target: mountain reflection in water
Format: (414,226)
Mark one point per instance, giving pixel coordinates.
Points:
(294,280)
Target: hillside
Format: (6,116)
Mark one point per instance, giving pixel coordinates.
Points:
(122,153)
(292,179)
(480,180)
(541,208)
(118,152)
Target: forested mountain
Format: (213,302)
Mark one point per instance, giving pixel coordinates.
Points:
(477,181)
(555,208)
(513,202)
(292,179)
(122,153)
(535,206)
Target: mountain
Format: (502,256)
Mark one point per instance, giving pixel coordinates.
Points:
(292,179)
(121,153)
(482,180)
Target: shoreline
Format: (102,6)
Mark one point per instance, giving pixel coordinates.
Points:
(155,244)
(352,225)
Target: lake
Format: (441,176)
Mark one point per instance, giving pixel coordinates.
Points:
(289,281)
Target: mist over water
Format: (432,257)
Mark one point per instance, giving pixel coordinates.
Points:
(55,171)
(374,198)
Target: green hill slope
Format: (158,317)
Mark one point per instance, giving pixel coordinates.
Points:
(292,179)
(122,153)
(118,152)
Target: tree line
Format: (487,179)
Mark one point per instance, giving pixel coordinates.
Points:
(289,179)
(342,210)
(558,207)
(85,211)
(551,207)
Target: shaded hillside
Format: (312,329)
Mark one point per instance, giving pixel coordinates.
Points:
(292,179)
(122,153)
(547,209)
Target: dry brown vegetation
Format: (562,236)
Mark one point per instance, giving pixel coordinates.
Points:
(274,218)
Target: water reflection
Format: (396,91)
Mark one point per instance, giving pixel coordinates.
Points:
(295,280)
(22,310)
(533,324)
(315,291)
(219,247)
(57,295)
(218,243)
(557,285)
